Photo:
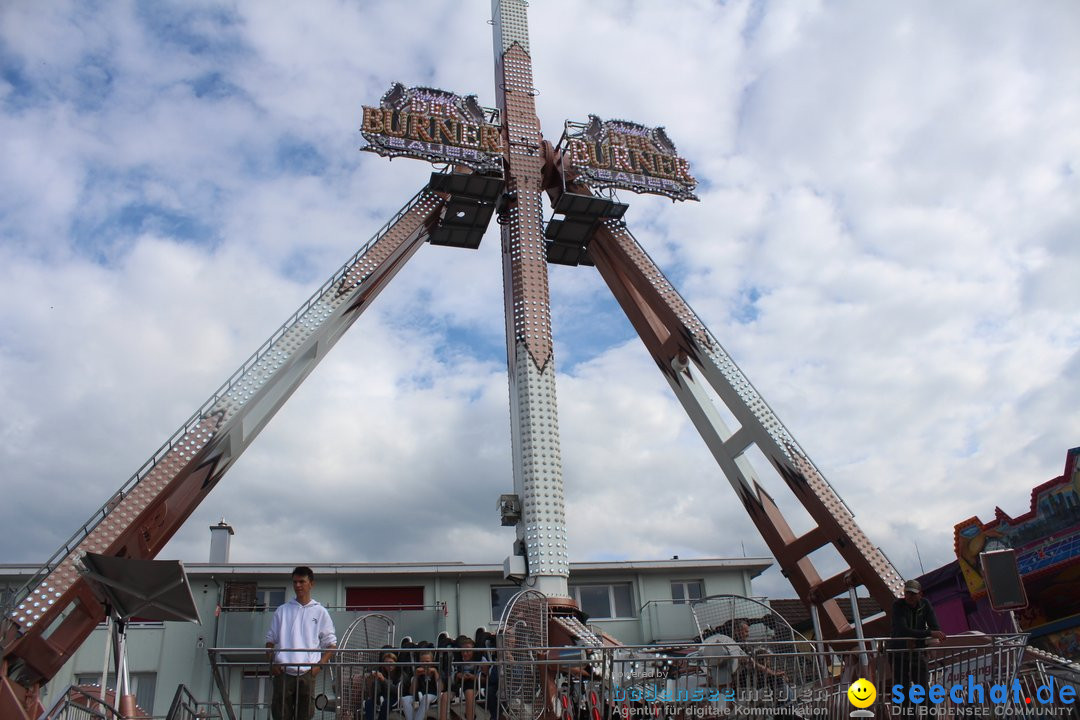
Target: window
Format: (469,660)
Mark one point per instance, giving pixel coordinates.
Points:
(239,596)
(248,596)
(602,602)
(255,692)
(269,598)
(143,686)
(684,591)
(500,598)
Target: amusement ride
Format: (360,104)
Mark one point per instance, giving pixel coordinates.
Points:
(498,164)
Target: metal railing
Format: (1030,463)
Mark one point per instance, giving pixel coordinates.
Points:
(77,704)
(968,675)
(357,684)
(246,627)
(1042,669)
(184,706)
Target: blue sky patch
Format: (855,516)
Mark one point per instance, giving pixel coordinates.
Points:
(198,30)
(142,218)
(213,85)
(471,341)
(102,238)
(94,82)
(23,93)
(299,157)
(587,330)
(746,310)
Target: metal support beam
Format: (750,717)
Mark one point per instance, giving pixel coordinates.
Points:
(534,421)
(152,505)
(690,357)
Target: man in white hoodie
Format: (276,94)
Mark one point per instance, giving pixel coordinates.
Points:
(303,628)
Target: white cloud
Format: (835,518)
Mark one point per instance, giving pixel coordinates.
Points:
(886,243)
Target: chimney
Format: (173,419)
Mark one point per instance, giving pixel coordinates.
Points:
(219,542)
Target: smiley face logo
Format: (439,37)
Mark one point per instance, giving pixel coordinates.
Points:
(862,693)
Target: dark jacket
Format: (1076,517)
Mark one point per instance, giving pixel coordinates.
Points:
(912,622)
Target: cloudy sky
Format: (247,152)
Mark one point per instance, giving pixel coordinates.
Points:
(887,244)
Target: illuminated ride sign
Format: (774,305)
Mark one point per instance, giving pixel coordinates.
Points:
(622,154)
(434,125)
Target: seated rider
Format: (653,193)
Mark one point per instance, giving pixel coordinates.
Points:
(425,687)
(382,688)
(467,674)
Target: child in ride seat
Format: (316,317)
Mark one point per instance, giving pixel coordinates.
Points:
(383,686)
(468,675)
(424,688)
(485,645)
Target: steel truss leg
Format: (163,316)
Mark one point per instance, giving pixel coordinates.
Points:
(689,356)
(145,513)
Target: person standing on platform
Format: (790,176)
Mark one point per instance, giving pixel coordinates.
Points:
(301,640)
(913,625)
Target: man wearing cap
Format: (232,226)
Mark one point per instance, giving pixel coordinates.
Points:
(913,623)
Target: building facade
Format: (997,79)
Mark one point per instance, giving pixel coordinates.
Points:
(636,602)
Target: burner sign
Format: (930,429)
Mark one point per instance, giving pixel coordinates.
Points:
(434,125)
(622,154)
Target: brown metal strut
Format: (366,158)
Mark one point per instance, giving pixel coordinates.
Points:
(57,610)
(677,339)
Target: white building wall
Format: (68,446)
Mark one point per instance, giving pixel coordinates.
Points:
(177,652)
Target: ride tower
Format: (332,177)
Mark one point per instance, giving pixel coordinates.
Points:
(534,416)
(497,164)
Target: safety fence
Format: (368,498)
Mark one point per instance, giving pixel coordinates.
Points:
(79,704)
(185,706)
(965,676)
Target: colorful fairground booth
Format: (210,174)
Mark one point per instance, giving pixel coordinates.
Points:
(1046,543)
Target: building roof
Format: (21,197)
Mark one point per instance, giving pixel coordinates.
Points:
(755,565)
(797,613)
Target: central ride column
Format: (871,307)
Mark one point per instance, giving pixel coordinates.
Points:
(534,419)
